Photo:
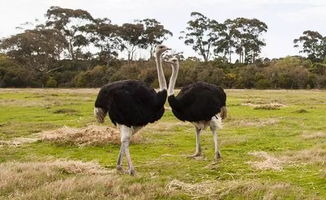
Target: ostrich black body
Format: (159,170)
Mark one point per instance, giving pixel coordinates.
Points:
(198,102)
(131,102)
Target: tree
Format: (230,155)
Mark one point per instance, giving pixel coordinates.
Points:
(70,23)
(154,33)
(244,36)
(133,37)
(104,36)
(313,44)
(36,49)
(202,34)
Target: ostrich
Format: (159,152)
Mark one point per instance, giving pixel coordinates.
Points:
(200,103)
(131,105)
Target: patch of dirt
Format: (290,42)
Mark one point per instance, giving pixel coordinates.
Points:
(91,135)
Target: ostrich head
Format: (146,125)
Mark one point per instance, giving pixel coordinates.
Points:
(159,49)
(174,61)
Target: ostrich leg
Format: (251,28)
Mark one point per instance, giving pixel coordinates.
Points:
(121,154)
(126,134)
(213,126)
(198,147)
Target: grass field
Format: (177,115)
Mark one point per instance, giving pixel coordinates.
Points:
(273,146)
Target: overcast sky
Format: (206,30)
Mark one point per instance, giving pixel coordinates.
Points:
(286,19)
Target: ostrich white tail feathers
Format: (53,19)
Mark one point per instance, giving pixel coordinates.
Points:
(224,112)
(99,113)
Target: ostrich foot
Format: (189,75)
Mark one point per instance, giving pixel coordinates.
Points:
(131,172)
(197,154)
(119,168)
(217,156)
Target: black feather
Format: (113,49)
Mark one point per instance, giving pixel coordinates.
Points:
(198,102)
(131,102)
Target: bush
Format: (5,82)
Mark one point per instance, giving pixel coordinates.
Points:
(18,77)
(263,84)
(51,83)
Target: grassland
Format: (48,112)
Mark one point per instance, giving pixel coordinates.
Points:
(273,146)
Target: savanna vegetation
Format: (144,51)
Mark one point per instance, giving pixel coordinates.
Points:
(273,146)
(72,48)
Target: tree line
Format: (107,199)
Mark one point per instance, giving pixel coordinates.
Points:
(74,49)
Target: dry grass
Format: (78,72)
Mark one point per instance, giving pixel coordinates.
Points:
(254,122)
(43,91)
(67,180)
(234,140)
(68,111)
(316,155)
(265,106)
(253,189)
(91,135)
(166,126)
(31,103)
(17,141)
(266,162)
(314,135)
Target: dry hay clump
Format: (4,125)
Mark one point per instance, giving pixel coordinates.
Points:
(251,189)
(91,135)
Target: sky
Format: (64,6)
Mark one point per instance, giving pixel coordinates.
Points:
(286,19)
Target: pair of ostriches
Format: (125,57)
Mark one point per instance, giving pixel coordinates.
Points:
(131,105)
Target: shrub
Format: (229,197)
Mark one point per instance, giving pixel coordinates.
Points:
(51,83)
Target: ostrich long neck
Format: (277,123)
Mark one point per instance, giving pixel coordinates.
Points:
(160,73)
(173,78)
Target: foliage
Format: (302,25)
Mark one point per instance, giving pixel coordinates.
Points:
(154,33)
(313,44)
(70,24)
(51,83)
(240,35)
(36,49)
(244,36)
(202,33)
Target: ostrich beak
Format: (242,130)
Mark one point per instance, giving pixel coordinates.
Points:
(166,61)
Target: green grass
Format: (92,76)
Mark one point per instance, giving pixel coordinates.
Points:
(161,157)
